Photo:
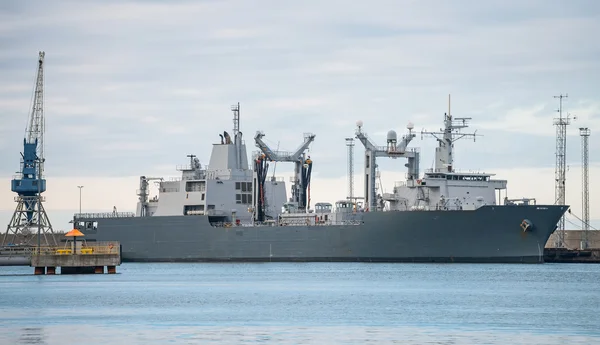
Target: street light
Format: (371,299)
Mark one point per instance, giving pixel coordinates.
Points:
(79,199)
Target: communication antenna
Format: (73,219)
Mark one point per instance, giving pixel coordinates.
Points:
(561,123)
(585,132)
(350,144)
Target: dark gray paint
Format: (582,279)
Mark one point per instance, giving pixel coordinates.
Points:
(488,234)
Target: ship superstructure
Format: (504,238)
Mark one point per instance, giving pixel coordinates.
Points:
(230,210)
(227,190)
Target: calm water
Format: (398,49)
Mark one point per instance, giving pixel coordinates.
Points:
(304,303)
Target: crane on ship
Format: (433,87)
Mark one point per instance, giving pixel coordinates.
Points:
(393,149)
(30,216)
(302,172)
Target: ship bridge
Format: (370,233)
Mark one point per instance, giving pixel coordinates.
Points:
(464,178)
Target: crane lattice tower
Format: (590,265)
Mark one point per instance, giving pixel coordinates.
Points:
(585,186)
(561,123)
(30,216)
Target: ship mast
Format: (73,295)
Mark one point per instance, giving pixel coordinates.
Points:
(444,159)
(237,135)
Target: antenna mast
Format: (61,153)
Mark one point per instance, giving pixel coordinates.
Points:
(561,124)
(585,186)
(446,137)
(350,144)
(237,135)
(236,119)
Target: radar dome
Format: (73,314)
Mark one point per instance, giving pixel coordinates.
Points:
(410,126)
(392,136)
(359,123)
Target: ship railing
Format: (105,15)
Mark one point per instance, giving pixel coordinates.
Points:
(81,248)
(17,250)
(447,207)
(399,183)
(30,198)
(520,201)
(283,154)
(212,175)
(105,215)
(287,223)
(392,150)
(169,190)
(183,167)
(458,171)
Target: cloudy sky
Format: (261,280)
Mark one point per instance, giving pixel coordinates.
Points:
(132,87)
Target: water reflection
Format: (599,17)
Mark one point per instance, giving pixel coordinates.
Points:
(284,335)
(32,335)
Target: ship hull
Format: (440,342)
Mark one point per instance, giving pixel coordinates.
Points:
(488,234)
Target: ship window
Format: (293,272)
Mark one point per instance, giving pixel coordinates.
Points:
(244,199)
(202,196)
(238,198)
(238,186)
(244,187)
(249,186)
(195,186)
(249,198)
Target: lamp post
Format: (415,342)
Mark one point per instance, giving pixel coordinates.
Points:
(79,199)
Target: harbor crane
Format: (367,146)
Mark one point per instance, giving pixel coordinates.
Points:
(302,170)
(30,216)
(393,149)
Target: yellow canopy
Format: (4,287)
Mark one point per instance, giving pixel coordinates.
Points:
(74,233)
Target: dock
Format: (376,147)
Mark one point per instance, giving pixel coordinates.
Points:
(574,251)
(565,255)
(77,258)
(15,255)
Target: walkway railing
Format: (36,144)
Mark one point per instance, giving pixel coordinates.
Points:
(104,215)
(82,248)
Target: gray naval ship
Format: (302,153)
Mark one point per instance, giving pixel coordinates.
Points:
(230,211)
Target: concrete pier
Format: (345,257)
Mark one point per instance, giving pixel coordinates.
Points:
(78,258)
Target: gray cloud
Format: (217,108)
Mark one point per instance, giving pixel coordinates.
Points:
(132,86)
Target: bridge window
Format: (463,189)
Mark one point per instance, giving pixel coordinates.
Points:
(243,186)
(245,199)
(195,186)
(477,178)
(244,193)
